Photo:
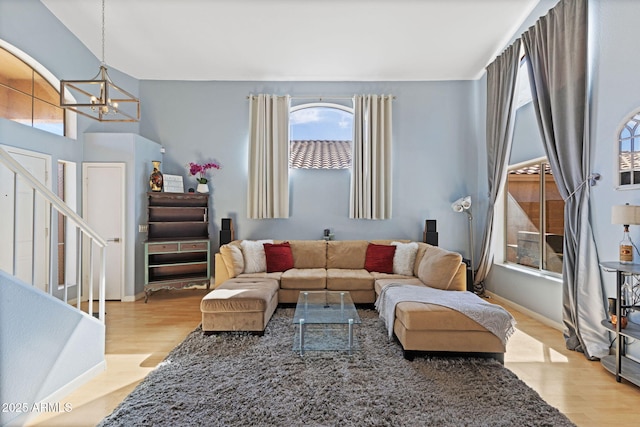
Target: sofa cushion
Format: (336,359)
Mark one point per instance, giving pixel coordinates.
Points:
(349,280)
(304,278)
(438,267)
(422,248)
(279,256)
(262,275)
(233,259)
(254,257)
(381,282)
(423,316)
(346,253)
(309,253)
(379,258)
(245,295)
(404,258)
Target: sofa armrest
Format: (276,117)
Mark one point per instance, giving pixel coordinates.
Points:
(221,273)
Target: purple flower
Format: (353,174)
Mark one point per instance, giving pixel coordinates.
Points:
(200,170)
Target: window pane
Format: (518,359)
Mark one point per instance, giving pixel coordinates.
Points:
(15,73)
(15,106)
(625,178)
(61,226)
(43,90)
(523,217)
(320,137)
(19,84)
(321,124)
(554,222)
(48,117)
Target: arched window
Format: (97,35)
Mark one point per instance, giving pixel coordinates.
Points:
(27,97)
(629,153)
(320,136)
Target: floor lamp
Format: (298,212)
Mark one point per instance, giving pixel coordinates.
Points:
(463,204)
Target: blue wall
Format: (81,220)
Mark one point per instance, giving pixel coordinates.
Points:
(434,163)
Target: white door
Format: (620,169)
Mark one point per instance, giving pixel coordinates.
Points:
(24,220)
(103,201)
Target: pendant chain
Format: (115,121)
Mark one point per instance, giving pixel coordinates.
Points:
(103,61)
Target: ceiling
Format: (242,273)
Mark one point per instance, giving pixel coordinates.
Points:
(296,40)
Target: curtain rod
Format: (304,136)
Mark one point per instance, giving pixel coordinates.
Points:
(320,97)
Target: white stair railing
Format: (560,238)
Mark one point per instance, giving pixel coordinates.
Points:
(84,235)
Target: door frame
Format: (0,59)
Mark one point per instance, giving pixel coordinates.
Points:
(123,239)
(48,287)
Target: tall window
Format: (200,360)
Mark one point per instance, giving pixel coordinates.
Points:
(629,153)
(28,98)
(62,226)
(320,136)
(534,217)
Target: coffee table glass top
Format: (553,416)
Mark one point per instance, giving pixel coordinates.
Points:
(325,321)
(325,307)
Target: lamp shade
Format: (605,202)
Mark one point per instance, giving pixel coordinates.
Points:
(462,204)
(466,202)
(625,214)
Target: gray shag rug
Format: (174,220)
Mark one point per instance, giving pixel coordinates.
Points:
(238,379)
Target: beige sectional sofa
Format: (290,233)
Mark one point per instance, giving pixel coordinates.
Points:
(337,265)
(342,266)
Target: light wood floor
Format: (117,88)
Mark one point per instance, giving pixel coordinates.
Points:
(140,335)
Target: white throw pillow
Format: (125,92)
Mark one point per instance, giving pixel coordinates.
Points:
(404,258)
(255,261)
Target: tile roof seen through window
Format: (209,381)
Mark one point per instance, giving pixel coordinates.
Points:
(320,155)
(531,170)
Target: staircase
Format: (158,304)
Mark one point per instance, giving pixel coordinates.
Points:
(49,345)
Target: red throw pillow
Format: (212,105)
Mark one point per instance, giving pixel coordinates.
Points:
(379,258)
(279,256)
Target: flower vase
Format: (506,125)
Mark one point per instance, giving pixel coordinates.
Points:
(156,181)
(202,188)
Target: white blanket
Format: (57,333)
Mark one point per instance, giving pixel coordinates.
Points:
(492,317)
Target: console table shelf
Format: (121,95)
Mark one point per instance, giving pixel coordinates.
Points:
(619,364)
(177,250)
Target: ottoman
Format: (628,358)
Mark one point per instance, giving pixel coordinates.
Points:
(240,304)
(422,327)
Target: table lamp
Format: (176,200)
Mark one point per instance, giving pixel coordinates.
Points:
(626,215)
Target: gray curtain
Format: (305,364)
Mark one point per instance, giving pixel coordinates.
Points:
(268,186)
(556,47)
(502,78)
(371,165)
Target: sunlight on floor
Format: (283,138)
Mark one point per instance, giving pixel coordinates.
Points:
(113,387)
(523,348)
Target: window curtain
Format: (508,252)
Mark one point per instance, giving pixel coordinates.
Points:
(502,78)
(556,47)
(371,158)
(268,187)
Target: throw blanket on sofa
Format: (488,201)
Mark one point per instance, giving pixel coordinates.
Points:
(492,317)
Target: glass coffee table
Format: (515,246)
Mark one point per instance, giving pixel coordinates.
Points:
(325,320)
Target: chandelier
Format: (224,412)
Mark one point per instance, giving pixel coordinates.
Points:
(99,98)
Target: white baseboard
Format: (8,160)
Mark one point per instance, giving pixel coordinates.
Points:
(537,316)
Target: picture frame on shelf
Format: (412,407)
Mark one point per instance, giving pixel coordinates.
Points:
(173,184)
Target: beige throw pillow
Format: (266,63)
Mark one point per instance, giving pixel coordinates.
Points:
(255,260)
(438,267)
(233,259)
